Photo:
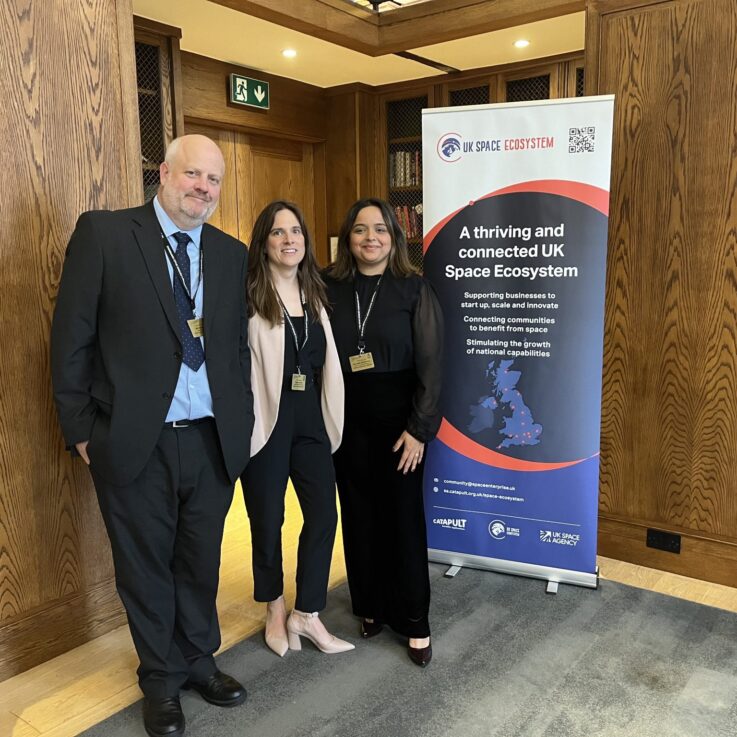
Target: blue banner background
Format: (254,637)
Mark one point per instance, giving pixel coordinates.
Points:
(527,412)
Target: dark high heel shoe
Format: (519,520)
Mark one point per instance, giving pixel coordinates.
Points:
(370,629)
(420,655)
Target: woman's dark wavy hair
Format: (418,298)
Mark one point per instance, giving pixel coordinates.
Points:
(261,291)
(344,266)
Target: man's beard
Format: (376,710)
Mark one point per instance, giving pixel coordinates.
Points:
(195,216)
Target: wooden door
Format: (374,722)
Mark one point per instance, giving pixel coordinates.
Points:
(260,169)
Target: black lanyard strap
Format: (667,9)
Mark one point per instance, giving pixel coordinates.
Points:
(299,348)
(362,323)
(184,282)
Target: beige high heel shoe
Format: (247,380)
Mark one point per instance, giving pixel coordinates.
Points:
(308,624)
(275,632)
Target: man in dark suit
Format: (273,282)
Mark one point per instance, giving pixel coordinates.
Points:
(151,372)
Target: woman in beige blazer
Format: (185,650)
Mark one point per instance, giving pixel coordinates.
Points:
(298,404)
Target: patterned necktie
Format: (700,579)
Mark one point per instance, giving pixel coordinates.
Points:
(192,347)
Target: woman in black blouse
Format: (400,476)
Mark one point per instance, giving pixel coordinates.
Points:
(388,329)
(298,404)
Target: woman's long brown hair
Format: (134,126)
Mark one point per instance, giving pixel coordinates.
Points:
(344,266)
(261,292)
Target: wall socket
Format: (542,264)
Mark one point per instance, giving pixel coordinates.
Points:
(668,541)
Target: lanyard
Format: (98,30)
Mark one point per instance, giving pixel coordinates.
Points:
(362,323)
(299,348)
(178,271)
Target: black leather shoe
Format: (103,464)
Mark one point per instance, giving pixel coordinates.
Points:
(163,717)
(370,629)
(219,689)
(420,655)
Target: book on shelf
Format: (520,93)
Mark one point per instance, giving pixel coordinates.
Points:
(409,220)
(405,168)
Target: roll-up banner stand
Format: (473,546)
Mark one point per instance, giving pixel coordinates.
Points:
(516,205)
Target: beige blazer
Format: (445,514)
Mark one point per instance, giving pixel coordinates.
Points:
(267,364)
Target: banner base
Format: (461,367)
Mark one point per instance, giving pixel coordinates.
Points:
(529,570)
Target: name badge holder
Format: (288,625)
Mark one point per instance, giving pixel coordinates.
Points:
(196,324)
(363,360)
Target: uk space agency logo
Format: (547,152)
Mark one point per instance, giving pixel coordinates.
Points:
(553,537)
(449,147)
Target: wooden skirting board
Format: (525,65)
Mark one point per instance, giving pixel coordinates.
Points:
(51,630)
(701,557)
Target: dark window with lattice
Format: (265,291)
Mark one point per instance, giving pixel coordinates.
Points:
(148,73)
(531,88)
(404,166)
(470,96)
(579,82)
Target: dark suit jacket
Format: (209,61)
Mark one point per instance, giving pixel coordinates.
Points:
(115,341)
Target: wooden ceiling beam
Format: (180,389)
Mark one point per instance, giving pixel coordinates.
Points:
(336,21)
(435,22)
(401,29)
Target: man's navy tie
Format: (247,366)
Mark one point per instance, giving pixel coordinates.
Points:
(193,355)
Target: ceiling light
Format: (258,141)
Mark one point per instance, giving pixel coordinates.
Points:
(522,43)
(289,53)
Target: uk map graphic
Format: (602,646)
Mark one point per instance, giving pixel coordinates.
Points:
(504,403)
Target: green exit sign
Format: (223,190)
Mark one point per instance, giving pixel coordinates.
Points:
(250,92)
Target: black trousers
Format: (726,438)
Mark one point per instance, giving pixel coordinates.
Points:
(382,510)
(298,447)
(166,531)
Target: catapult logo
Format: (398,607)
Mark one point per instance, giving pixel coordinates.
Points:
(499,530)
(449,147)
(450,523)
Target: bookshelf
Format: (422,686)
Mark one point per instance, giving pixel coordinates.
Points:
(404,168)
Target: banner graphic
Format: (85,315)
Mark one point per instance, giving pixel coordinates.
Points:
(516,203)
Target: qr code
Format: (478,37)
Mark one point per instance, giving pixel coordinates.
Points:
(581,140)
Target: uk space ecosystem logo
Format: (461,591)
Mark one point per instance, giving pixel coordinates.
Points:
(449,147)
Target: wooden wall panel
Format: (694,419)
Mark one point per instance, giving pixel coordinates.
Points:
(372,146)
(669,419)
(342,156)
(297,109)
(355,150)
(294,128)
(320,189)
(70,139)
(225,216)
(244,190)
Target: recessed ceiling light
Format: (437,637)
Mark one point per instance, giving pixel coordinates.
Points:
(289,53)
(522,43)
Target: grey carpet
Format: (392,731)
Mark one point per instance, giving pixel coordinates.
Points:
(509,661)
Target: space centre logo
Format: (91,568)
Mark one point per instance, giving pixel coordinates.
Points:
(449,147)
(499,529)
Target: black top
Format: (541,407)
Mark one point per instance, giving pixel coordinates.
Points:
(312,356)
(404,331)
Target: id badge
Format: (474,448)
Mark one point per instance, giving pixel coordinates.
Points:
(361,362)
(196,327)
(299,382)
